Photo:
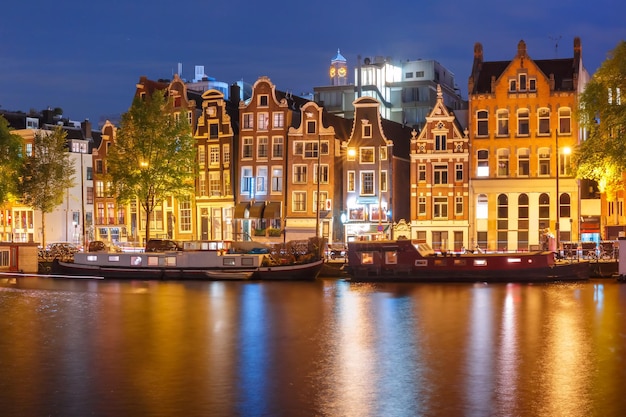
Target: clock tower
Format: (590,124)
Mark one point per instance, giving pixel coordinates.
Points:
(338,71)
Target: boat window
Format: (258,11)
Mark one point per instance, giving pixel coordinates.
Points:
(367,258)
(514,260)
(229,261)
(114,258)
(170,261)
(460,262)
(441,262)
(153,260)
(421,262)
(247,261)
(92,258)
(480,262)
(391,257)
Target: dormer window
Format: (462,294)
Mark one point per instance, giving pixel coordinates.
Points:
(522,82)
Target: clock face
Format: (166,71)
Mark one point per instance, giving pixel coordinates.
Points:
(342,72)
(332,71)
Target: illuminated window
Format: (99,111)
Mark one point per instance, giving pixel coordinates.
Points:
(264,121)
(544,161)
(440,207)
(565,120)
(215,183)
(184,215)
(279,120)
(367,182)
(214,155)
(262,148)
(299,174)
(261,180)
(482,206)
(366,155)
(299,201)
(277,179)
(351,181)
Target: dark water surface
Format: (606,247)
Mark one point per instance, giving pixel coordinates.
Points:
(323,348)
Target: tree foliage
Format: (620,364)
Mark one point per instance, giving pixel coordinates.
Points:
(602,112)
(46,173)
(10,161)
(153,155)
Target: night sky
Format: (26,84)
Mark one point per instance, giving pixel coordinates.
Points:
(86,57)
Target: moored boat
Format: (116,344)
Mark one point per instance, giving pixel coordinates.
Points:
(198,260)
(404,260)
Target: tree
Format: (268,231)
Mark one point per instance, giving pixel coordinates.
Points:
(153,155)
(10,161)
(602,156)
(46,174)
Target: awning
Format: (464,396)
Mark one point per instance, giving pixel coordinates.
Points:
(590,224)
(240,210)
(256,210)
(272,211)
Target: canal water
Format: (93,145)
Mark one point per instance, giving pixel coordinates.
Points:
(324,348)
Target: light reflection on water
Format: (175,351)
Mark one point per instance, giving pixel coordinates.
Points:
(324,348)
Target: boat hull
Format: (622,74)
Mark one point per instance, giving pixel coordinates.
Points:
(400,261)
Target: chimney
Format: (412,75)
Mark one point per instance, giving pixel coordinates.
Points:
(85,126)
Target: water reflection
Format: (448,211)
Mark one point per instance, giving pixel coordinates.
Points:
(325,348)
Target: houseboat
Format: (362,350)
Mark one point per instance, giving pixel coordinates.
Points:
(197,260)
(405,260)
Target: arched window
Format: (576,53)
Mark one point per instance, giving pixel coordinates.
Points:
(543,121)
(482,170)
(544,210)
(503,221)
(522,222)
(564,205)
(523,162)
(482,123)
(523,122)
(503,122)
(503,162)
(565,120)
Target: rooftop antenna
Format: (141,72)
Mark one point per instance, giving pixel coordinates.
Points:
(556,40)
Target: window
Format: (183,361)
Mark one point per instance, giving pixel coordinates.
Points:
(458,205)
(263,100)
(323,174)
(299,201)
(543,121)
(246,180)
(544,161)
(351,181)
(408,75)
(277,147)
(421,205)
(458,169)
(226,153)
(261,180)
(323,147)
(262,148)
(367,183)
(565,164)
(311,149)
(298,148)
(440,174)
(421,172)
(383,153)
(482,206)
(89,195)
(202,183)
(184,215)
(299,174)
(310,127)
(248,120)
(440,142)
(366,155)
(99,189)
(264,121)
(522,212)
(482,123)
(214,155)
(523,162)
(227,187)
(367,131)
(319,203)
(512,85)
(503,122)
(201,156)
(419,74)
(440,207)
(532,84)
(279,119)
(98,166)
(383,181)
(503,162)
(544,209)
(564,121)
(215,184)
(213,131)
(503,211)
(483,163)
(277,179)
(247,148)
(523,124)
(564,205)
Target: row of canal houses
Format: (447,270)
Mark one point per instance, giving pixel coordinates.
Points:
(277,167)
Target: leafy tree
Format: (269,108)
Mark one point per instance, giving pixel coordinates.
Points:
(153,155)
(602,111)
(46,174)
(10,161)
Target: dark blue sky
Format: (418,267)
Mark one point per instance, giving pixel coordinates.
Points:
(86,57)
